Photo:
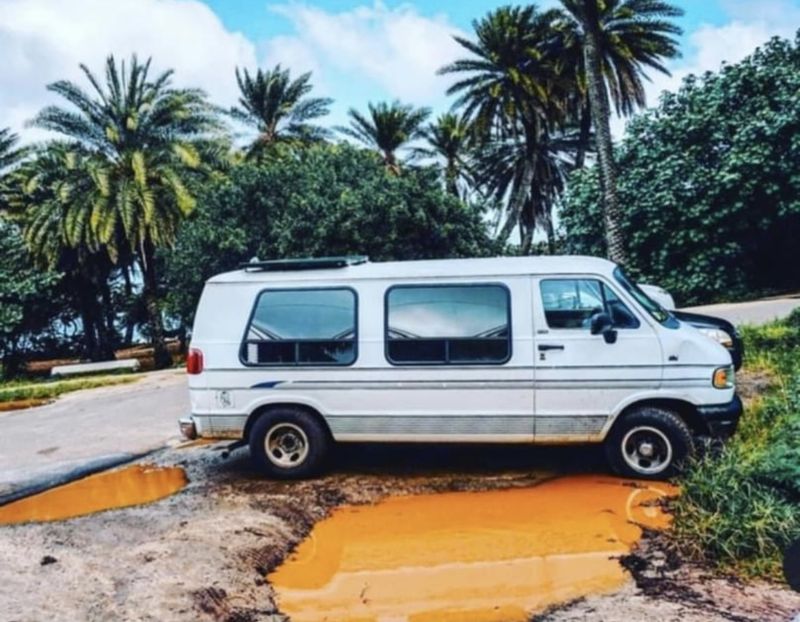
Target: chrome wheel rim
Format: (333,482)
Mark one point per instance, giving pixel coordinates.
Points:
(647,450)
(286,445)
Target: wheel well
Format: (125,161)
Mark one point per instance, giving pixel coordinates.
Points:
(685,410)
(270,407)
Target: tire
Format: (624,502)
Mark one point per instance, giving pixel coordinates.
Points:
(649,443)
(299,443)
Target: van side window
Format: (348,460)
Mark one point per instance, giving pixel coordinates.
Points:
(302,327)
(448,325)
(570,303)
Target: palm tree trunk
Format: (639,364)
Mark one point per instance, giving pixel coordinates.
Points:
(87,307)
(550,233)
(161,356)
(129,324)
(527,240)
(583,137)
(601,116)
(106,329)
(451,180)
(518,200)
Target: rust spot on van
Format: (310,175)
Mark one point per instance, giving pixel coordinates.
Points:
(132,485)
(477,556)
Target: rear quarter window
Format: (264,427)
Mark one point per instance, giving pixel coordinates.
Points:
(293,327)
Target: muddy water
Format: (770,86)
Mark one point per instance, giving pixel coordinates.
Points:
(468,556)
(132,485)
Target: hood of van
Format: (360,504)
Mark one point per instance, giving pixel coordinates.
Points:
(688,346)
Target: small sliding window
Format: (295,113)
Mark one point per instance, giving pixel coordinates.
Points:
(448,325)
(294,327)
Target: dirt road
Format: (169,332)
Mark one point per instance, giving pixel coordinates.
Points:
(203,554)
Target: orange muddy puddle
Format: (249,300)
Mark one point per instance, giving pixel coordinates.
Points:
(132,485)
(468,556)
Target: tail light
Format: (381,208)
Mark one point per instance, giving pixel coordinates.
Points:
(194,361)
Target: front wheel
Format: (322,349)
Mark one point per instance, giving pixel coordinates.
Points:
(649,443)
(288,443)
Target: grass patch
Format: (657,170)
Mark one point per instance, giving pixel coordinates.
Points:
(739,509)
(27,390)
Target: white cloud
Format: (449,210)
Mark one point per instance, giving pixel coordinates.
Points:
(398,49)
(45,40)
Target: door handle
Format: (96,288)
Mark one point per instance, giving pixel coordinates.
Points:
(544,347)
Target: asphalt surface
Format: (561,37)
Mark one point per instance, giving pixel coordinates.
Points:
(89,430)
(753,313)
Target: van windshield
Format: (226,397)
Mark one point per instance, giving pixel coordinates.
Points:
(658,312)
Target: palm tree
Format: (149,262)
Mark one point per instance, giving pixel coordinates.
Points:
(148,140)
(51,196)
(512,91)
(9,153)
(278,108)
(617,40)
(448,139)
(387,128)
(500,165)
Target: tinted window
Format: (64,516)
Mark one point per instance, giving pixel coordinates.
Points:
(302,327)
(570,303)
(448,324)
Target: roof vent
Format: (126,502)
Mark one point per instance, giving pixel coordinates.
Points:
(310,263)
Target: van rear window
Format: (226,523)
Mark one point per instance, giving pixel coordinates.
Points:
(302,327)
(448,325)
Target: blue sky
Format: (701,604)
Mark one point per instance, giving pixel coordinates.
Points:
(256,21)
(358,50)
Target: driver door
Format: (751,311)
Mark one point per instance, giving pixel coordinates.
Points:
(581,380)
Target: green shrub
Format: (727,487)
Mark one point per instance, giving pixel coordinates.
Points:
(727,516)
(741,508)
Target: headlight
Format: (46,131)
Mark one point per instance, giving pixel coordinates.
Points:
(724,377)
(718,335)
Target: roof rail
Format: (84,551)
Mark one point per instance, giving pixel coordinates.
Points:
(310,263)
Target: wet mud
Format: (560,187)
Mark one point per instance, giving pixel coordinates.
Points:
(471,556)
(133,485)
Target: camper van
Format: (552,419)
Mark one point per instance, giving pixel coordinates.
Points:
(292,356)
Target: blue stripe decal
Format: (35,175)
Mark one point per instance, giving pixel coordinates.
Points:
(267,385)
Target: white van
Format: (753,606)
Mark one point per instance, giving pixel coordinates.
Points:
(291,356)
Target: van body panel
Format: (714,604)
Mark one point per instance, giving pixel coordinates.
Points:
(564,395)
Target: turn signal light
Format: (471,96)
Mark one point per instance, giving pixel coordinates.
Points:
(194,361)
(723,378)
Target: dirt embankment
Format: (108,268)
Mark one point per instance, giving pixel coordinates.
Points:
(203,554)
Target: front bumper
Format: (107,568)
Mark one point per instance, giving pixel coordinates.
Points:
(722,420)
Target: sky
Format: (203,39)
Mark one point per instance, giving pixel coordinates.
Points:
(357,50)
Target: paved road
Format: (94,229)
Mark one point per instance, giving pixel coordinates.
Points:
(100,426)
(755,312)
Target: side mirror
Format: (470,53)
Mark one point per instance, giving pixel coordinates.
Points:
(602,324)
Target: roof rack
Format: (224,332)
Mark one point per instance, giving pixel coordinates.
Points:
(310,263)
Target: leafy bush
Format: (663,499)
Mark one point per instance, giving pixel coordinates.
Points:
(708,184)
(741,508)
(326,200)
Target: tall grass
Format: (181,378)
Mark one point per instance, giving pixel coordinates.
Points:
(740,508)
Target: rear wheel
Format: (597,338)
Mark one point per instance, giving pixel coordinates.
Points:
(288,443)
(649,443)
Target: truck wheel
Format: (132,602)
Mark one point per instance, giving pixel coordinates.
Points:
(649,443)
(288,443)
